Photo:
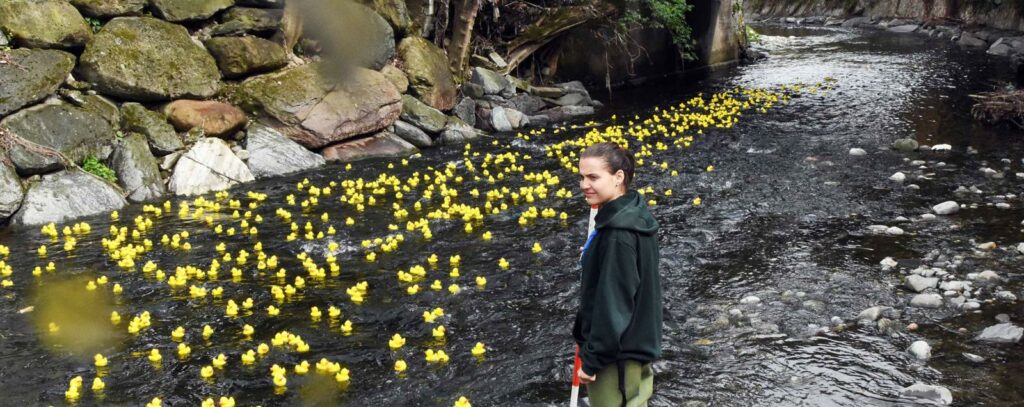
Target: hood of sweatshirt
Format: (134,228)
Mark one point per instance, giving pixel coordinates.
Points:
(628,212)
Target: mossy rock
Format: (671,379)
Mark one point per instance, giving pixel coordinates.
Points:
(62,127)
(109,8)
(243,56)
(396,13)
(137,169)
(43,24)
(146,59)
(244,20)
(430,78)
(153,125)
(316,110)
(67,195)
(30,76)
(11,191)
(189,10)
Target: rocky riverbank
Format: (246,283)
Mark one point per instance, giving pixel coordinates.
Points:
(179,97)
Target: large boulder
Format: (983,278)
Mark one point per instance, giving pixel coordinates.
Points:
(11,191)
(217,119)
(109,8)
(208,166)
(95,103)
(272,154)
(244,56)
(413,134)
(381,145)
(315,110)
(397,77)
(457,132)
(1001,333)
(188,10)
(420,115)
(43,24)
(429,76)
(396,13)
(244,20)
(56,127)
(349,33)
(137,169)
(160,134)
(30,76)
(146,59)
(67,195)
(492,82)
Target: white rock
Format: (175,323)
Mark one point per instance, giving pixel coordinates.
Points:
(929,300)
(858,152)
(921,350)
(898,177)
(987,276)
(272,154)
(973,358)
(1020,248)
(942,147)
(750,299)
(927,216)
(1005,296)
(918,283)
(1001,333)
(946,208)
(877,228)
(888,264)
(208,166)
(936,394)
(970,306)
(67,195)
(894,231)
(872,313)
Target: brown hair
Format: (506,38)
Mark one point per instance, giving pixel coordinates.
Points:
(616,157)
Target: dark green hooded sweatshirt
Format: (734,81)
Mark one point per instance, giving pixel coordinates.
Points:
(620,308)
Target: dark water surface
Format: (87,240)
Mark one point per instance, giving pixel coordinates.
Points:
(784,218)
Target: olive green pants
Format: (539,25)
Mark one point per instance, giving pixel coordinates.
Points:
(637,386)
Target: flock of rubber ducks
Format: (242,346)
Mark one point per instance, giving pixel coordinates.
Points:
(466,191)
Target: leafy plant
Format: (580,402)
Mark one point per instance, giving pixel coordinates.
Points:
(752,36)
(671,14)
(97,168)
(95,24)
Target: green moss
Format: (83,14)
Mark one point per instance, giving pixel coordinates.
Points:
(97,168)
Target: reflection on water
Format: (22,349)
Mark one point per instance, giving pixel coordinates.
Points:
(782,219)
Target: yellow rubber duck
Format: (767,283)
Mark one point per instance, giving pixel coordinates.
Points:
(400,366)
(481,281)
(178,333)
(302,368)
(184,350)
(346,327)
(248,330)
(536,247)
(315,313)
(273,311)
(220,361)
(436,286)
(97,384)
(438,332)
(413,289)
(396,342)
(99,360)
(478,350)
(342,376)
(462,402)
(206,372)
(333,311)
(454,289)
(504,264)
(262,349)
(207,331)
(249,357)
(154,355)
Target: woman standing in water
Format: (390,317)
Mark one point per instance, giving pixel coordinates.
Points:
(618,325)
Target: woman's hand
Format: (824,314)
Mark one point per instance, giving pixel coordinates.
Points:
(586,379)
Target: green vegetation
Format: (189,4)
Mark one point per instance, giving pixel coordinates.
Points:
(752,36)
(95,24)
(668,14)
(97,168)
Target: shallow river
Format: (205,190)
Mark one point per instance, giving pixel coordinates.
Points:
(784,218)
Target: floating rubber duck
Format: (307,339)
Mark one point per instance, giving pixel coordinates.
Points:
(436,286)
(438,332)
(396,342)
(333,311)
(536,247)
(207,331)
(315,313)
(178,333)
(156,402)
(481,281)
(346,328)
(184,350)
(302,368)
(696,201)
(454,289)
(249,357)
(400,366)
(220,361)
(154,356)
(99,360)
(462,402)
(413,289)
(248,330)
(478,350)
(206,372)
(97,384)
(342,376)
(74,386)
(503,263)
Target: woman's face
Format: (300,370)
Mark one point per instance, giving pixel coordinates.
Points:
(597,182)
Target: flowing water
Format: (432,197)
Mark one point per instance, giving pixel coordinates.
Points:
(784,218)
